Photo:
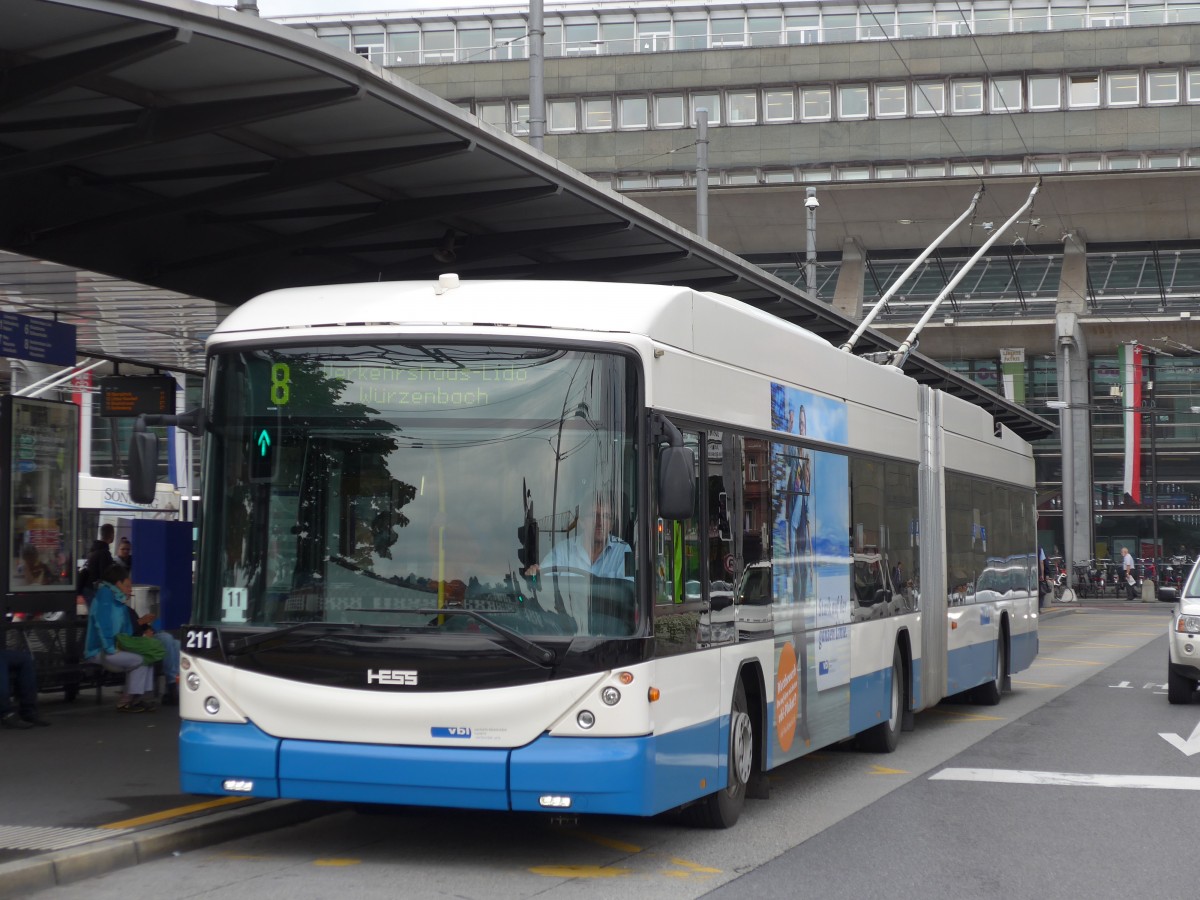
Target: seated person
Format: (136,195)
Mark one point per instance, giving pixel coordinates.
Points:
(598,551)
(109,618)
(150,625)
(20,663)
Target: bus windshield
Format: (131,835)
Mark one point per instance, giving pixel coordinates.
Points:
(369,484)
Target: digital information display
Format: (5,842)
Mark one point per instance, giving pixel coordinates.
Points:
(134,395)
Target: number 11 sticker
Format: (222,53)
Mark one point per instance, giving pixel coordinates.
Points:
(233,604)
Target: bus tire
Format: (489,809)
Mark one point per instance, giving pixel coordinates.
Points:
(989,694)
(884,737)
(722,808)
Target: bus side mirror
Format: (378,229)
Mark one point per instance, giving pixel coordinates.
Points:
(143,466)
(676,483)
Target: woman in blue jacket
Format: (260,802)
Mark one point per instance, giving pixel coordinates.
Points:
(107,618)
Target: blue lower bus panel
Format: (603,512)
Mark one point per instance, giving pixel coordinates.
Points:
(630,776)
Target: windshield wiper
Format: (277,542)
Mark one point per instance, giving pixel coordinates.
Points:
(242,645)
(535,653)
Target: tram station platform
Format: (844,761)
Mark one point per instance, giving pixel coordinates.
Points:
(98,790)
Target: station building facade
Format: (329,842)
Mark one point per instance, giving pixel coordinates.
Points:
(897,115)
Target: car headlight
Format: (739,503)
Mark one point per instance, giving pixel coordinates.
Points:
(1189,624)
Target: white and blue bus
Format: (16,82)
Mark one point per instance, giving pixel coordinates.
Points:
(604,548)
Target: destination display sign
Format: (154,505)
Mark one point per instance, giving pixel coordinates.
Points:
(135,395)
(37,340)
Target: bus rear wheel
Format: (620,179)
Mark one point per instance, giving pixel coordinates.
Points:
(989,694)
(723,808)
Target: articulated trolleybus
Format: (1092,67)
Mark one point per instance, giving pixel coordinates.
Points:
(598,548)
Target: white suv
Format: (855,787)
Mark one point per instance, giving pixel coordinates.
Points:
(1183,671)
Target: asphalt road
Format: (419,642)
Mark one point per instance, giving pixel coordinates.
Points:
(961,810)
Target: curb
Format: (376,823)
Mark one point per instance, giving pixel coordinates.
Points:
(23,876)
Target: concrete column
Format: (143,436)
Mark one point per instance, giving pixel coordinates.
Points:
(848,295)
(1073,387)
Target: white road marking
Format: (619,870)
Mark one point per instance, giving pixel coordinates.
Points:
(1070,779)
(1188,747)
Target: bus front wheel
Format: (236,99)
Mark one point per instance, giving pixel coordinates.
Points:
(723,808)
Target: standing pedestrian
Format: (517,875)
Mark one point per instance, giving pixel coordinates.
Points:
(1127,568)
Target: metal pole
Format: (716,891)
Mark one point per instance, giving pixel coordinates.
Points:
(810,256)
(1154,483)
(1067,423)
(702,173)
(537,75)
(878,307)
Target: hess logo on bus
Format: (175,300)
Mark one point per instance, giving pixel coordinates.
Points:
(391,676)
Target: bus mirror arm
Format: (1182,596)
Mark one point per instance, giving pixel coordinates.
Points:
(143,449)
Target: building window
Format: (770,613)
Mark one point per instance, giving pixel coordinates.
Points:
(743,107)
(653,37)
(710,103)
(552,43)
(853,101)
(633,112)
(728,32)
(1193,159)
(581,39)
(1045,92)
(1031,19)
(617,37)
(1083,91)
(817,104)
(670,181)
(853,173)
(668,111)
(1066,15)
(520,118)
(966,169)
(437,47)
(474,44)
(916,24)
(802,29)
(1042,166)
(1124,162)
(492,114)
(877,24)
(632,182)
(779,176)
(929,98)
(741,178)
(1084,164)
(765,31)
(562,116)
(838,28)
(510,42)
(929,170)
(779,106)
(1193,79)
(1007,167)
(952,22)
(1162,86)
(991,21)
(598,114)
(369,45)
(691,35)
(810,176)
(1122,88)
(891,100)
(1006,95)
(888,173)
(404,48)
(1163,162)
(966,95)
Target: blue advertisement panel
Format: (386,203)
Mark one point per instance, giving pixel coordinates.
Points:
(811,566)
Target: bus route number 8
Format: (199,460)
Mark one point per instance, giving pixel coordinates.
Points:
(281,379)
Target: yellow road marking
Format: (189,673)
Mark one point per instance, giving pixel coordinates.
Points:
(966,717)
(882,770)
(336,862)
(1067,662)
(578,871)
(695,867)
(175,813)
(1036,684)
(611,843)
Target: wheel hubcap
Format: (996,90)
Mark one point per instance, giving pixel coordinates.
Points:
(741,748)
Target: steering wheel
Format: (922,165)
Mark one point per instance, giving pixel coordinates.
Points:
(566,570)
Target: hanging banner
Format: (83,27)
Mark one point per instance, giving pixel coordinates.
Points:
(1130,356)
(1012,368)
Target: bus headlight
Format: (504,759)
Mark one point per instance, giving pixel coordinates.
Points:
(585,719)
(193,681)
(212,705)
(611,696)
